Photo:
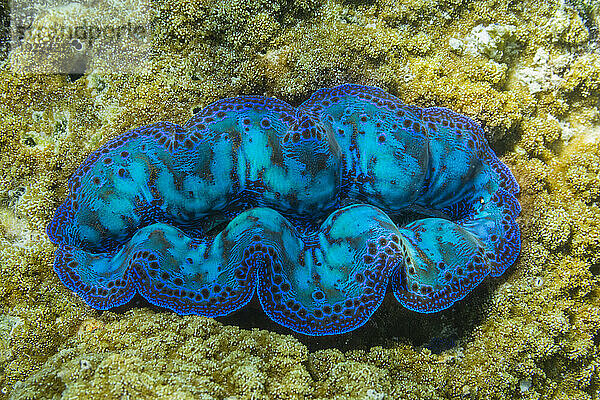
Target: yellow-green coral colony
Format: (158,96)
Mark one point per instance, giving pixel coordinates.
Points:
(317,209)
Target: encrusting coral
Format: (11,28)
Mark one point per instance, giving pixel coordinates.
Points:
(531,334)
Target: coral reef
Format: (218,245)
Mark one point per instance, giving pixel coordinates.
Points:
(531,334)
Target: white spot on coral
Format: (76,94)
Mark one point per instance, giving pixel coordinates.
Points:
(566,131)
(494,41)
(525,385)
(545,72)
(372,394)
(456,44)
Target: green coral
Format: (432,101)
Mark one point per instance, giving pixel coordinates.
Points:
(583,79)
(531,334)
(194,358)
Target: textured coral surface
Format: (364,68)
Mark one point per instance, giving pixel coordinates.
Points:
(527,71)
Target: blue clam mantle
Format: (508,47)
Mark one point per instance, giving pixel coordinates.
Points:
(317,209)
